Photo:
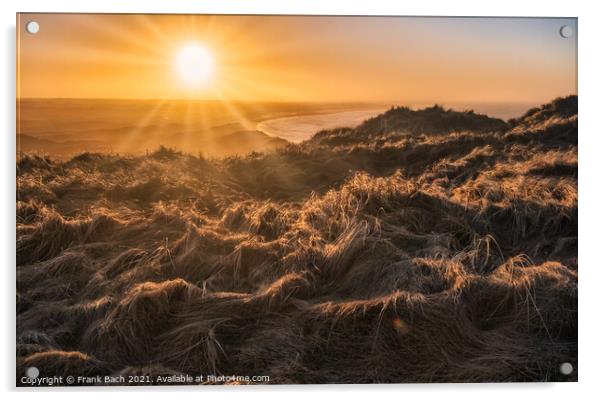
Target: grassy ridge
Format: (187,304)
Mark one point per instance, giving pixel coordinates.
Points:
(421,246)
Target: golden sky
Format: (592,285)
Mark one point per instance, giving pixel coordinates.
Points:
(294,58)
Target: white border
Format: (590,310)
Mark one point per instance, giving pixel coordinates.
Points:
(590,145)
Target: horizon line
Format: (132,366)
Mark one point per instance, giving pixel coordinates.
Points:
(366,102)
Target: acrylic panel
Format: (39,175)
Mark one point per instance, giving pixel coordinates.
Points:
(265,199)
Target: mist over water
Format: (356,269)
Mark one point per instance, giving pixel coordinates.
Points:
(298,128)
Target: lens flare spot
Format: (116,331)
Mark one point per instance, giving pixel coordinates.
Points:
(401,326)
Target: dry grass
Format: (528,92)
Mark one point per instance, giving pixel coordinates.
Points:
(419,247)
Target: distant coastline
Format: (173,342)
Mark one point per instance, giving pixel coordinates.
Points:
(206,126)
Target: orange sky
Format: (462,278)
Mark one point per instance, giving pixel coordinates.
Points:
(283,58)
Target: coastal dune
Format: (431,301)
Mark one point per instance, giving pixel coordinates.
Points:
(426,245)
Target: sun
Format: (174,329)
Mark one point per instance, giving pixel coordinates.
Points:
(194,64)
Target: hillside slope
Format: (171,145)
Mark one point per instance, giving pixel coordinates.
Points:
(404,250)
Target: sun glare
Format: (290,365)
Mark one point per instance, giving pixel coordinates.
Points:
(194,64)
